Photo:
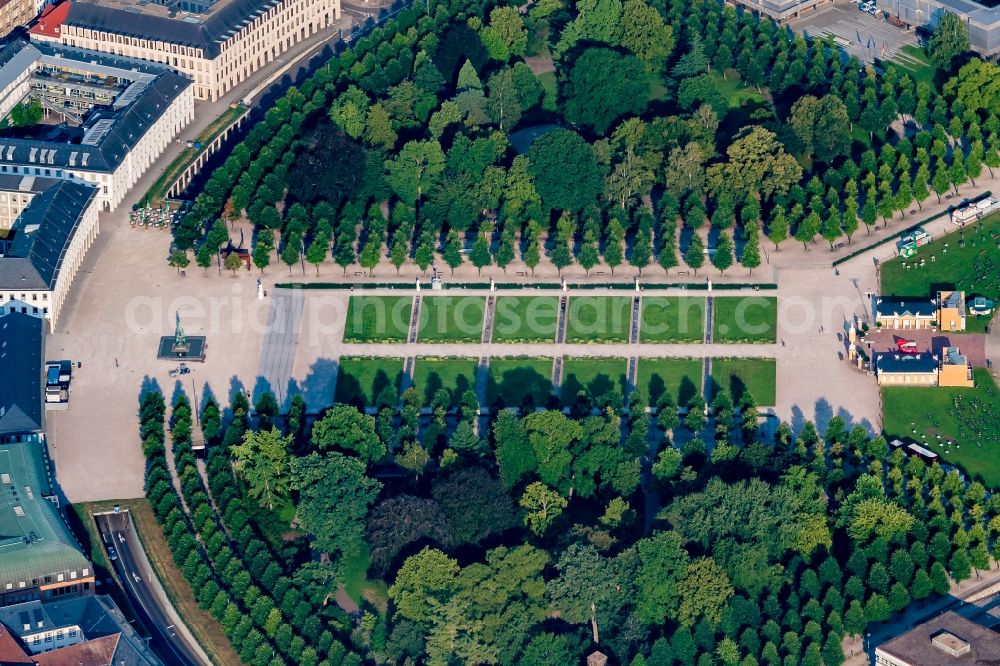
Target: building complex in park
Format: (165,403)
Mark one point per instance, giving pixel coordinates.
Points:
(982,20)
(217,43)
(103,122)
(946,312)
(49,614)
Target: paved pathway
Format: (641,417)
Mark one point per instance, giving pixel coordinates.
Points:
(277,353)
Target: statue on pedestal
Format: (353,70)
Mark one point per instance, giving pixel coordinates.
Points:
(180,345)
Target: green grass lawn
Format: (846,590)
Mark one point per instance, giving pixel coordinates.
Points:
(672,319)
(596,376)
(358,586)
(862,136)
(970,262)
(378,318)
(912,59)
(360,380)
(745,319)
(512,380)
(734,90)
(525,319)
(598,318)
(458,375)
(550,90)
(679,376)
(274,524)
(451,319)
(657,91)
(966,419)
(737,375)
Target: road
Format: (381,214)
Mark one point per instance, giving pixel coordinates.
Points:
(155,611)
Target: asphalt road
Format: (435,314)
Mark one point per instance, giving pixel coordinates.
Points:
(153,611)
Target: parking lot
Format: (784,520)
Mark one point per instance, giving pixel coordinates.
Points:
(859,33)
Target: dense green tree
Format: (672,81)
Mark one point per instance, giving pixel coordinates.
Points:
(542,505)
(452,254)
(480,255)
(723,257)
(822,125)
(808,227)
(505,36)
(645,34)
(262,461)
(476,504)
(948,42)
(779,228)
(757,164)
(555,154)
(750,255)
(588,586)
(703,592)
(334,497)
(614,245)
(344,427)
(603,85)
(663,564)
(694,256)
(415,169)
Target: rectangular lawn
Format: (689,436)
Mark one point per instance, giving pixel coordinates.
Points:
(680,376)
(967,420)
(360,380)
(512,380)
(525,319)
(596,376)
(736,375)
(672,319)
(745,319)
(378,318)
(970,263)
(451,319)
(598,319)
(458,375)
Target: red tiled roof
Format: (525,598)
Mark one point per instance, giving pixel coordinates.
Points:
(98,652)
(50,22)
(11,651)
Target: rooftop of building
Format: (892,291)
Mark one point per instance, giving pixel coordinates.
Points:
(952,299)
(979,12)
(50,22)
(43,233)
(207,30)
(110,639)
(910,363)
(15,183)
(954,356)
(21,369)
(948,639)
(109,132)
(889,306)
(34,540)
